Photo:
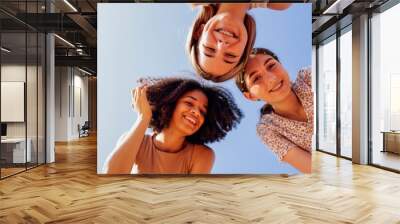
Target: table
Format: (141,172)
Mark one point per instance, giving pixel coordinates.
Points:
(17,149)
(391,141)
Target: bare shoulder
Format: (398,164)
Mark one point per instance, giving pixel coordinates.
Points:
(202,160)
(203,151)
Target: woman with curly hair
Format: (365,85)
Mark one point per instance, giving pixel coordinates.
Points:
(221,38)
(184,115)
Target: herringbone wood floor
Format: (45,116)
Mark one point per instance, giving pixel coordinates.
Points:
(69,191)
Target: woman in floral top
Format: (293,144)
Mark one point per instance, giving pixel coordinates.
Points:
(286,123)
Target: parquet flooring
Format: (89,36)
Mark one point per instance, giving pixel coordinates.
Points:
(70,191)
(9,171)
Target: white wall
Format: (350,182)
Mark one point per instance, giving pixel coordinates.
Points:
(80,84)
(69,84)
(16,73)
(61,103)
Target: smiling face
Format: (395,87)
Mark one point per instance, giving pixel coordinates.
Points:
(190,112)
(266,79)
(221,45)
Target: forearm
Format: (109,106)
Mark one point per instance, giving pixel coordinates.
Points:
(285,149)
(299,158)
(123,156)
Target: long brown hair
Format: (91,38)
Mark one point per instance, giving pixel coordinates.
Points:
(206,13)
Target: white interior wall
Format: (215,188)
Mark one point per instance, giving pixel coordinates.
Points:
(70,83)
(61,104)
(16,73)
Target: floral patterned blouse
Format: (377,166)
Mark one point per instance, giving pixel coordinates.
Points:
(281,133)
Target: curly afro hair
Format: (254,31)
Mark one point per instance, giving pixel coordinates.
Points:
(222,112)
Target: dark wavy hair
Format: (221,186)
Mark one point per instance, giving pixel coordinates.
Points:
(222,112)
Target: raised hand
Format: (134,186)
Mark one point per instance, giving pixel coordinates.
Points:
(140,103)
(123,156)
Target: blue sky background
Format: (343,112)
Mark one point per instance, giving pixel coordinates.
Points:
(136,40)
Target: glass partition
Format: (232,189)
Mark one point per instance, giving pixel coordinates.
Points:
(346,93)
(31,100)
(385,89)
(327,96)
(13,105)
(22,78)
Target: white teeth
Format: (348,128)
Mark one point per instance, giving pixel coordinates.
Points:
(226,33)
(191,120)
(277,86)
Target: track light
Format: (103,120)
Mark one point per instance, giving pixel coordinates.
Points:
(84,71)
(64,40)
(5,50)
(70,5)
(338,6)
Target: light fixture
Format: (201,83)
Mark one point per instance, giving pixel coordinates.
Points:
(337,7)
(84,71)
(80,51)
(65,41)
(70,5)
(5,50)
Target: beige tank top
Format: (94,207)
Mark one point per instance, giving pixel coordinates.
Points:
(151,160)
